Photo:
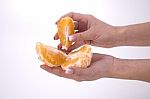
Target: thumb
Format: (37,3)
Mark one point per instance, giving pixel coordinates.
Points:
(74,70)
(81,36)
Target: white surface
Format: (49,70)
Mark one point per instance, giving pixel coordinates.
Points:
(24,22)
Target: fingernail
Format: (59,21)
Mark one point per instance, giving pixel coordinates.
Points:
(72,38)
(54,38)
(42,66)
(56,22)
(59,46)
(69,71)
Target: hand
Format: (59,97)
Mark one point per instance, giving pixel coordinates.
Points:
(92,31)
(101,66)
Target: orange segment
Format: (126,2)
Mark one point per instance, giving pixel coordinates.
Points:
(49,55)
(65,29)
(80,57)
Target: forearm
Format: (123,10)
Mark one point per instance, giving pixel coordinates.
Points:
(137,69)
(134,35)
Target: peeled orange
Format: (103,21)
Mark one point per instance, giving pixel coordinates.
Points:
(65,29)
(80,57)
(49,55)
(53,57)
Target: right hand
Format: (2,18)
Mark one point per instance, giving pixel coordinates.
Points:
(91,31)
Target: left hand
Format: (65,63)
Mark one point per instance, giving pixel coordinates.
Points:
(101,66)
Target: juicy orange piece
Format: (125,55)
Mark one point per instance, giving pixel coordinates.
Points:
(49,55)
(65,29)
(53,57)
(80,57)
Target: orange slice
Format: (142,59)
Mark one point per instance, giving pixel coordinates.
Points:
(53,57)
(49,55)
(80,57)
(65,29)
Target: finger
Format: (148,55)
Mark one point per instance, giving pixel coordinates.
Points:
(56,71)
(86,35)
(65,51)
(73,15)
(76,25)
(77,31)
(69,71)
(78,44)
(47,68)
(87,42)
(59,46)
(56,37)
(75,45)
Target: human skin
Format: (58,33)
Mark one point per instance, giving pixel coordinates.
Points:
(105,66)
(97,33)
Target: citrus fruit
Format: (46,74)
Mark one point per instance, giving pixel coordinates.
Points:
(65,29)
(80,57)
(53,57)
(49,55)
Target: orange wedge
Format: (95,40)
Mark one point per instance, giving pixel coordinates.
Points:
(65,29)
(53,57)
(80,57)
(49,55)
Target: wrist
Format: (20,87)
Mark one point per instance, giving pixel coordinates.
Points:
(131,69)
(120,33)
(115,69)
(120,69)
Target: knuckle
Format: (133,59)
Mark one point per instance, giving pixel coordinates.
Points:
(71,13)
(90,16)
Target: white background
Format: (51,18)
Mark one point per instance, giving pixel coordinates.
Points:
(25,22)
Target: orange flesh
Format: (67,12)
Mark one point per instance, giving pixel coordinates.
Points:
(80,57)
(70,62)
(65,29)
(49,55)
(55,58)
